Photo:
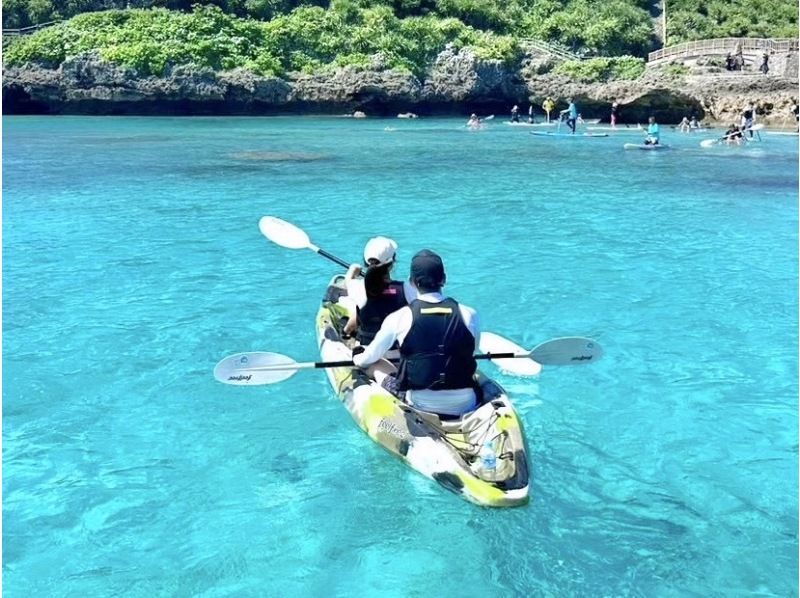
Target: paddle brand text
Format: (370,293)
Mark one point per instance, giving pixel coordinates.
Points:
(240,377)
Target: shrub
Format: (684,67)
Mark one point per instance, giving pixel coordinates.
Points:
(602,69)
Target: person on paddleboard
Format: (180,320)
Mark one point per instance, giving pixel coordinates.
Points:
(748,119)
(515,114)
(437,338)
(653,132)
(572,115)
(376,295)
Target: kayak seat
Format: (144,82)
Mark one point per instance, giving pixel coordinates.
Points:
(333,293)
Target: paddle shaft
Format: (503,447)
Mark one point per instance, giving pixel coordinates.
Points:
(330,256)
(349,363)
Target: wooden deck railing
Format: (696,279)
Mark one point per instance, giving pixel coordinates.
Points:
(723,45)
(549,48)
(27,30)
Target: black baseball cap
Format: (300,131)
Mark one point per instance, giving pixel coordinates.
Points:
(427,269)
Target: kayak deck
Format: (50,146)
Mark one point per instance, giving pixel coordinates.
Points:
(441,448)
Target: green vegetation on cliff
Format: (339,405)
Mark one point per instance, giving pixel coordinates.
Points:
(598,27)
(273,37)
(307,39)
(707,19)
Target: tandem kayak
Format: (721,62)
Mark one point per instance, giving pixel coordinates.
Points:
(440,448)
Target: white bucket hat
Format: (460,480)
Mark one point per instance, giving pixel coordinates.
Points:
(381,249)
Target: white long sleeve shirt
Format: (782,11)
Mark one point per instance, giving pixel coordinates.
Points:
(395,328)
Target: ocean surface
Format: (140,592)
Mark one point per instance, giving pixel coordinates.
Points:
(132,263)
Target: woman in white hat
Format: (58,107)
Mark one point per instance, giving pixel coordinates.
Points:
(377,295)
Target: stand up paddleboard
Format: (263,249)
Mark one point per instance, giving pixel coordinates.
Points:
(642,146)
(521,124)
(550,134)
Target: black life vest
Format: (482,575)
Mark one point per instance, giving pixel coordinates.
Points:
(437,352)
(748,114)
(374,312)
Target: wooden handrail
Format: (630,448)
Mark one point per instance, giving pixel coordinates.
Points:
(30,29)
(726,44)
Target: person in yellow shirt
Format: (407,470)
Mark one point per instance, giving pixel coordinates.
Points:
(548,105)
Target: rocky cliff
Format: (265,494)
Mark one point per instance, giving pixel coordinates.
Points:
(457,83)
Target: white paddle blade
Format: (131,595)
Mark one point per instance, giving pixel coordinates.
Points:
(708,142)
(239,369)
(571,350)
(283,233)
(494,343)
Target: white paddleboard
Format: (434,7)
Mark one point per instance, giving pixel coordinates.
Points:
(642,146)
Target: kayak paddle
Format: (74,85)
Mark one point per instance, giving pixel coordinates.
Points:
(256,368)
(288,235)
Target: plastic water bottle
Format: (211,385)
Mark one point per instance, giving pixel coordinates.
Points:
(488,457)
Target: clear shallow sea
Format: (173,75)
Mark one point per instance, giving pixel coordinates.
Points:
(132,262)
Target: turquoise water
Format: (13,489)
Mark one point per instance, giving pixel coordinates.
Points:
(132,263)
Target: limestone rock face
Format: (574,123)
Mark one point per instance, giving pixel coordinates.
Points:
(458,82)
(460,76)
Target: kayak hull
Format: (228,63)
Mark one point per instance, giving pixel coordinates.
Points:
(444,450)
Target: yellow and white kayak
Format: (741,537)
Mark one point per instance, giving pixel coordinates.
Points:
(445,450)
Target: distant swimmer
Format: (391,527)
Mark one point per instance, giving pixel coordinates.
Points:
(653,132)
(733,135)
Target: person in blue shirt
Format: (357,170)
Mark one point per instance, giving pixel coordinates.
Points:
(572,115)
(653,132)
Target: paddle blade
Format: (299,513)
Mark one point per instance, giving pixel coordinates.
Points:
(283,233)
(571,350)
(708,142)
(238,369)
(494,343)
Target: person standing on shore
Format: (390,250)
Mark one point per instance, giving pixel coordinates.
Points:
(614,114)
(795,110)
(548,105)
(764,68)
(572,115)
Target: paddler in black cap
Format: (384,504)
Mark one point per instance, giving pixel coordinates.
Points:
(437,338)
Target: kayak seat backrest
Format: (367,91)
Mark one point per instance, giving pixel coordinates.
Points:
(333,293)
